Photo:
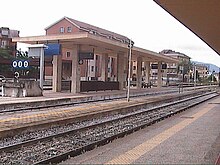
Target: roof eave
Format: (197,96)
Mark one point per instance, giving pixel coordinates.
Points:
(66,18)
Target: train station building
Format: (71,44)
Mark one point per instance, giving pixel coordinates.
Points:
(106,68)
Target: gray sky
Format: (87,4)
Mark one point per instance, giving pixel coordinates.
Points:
(147,24)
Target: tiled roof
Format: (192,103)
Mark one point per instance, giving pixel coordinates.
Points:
(95,30)
(173,53)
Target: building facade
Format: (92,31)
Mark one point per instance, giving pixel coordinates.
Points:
(202,71)
(6,35)
(177,72)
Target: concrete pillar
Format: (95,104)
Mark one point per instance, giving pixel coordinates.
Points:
(57,72)
(75,78)
(125,71)
(139,75)
(147,71)
(159,75)
(120,67)
(104,67)
(166,77)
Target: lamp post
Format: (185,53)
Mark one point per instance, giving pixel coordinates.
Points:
(131,43)
(194,76)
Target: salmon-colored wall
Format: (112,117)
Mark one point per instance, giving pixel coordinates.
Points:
(55,29)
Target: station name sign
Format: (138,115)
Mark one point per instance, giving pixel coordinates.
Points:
(52,49)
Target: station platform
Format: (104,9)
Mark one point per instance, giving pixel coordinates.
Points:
(31,118)
(50,95)
(191,137)
(55,98)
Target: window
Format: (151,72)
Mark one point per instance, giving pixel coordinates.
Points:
(96,57)
(69,29)
(67,54)
(5,32)
(62,30)
(4,44)
(92,68)
(134,67)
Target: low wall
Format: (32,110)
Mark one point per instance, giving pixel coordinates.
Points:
(86,86)
(22,88)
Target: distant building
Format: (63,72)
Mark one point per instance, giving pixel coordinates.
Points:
(202,71)
(6,35)
(175,71)
(154,73)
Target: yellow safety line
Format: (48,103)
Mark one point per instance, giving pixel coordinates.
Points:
(55,113)
(135,153)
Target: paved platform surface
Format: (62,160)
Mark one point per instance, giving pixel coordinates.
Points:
(50,95)
(191,137)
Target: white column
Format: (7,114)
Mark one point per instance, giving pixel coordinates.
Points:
(104,67)
(57,70)
(139,75)
(75,79)
(159,75)
(120,68)
(42,67)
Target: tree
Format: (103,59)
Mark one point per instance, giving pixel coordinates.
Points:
(6,53)
(21,54)
(6,68)
(212,78)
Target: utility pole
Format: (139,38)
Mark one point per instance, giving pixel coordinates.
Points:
(194,76)
(131,43)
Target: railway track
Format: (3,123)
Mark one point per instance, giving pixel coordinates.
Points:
(66,102)
(90,110)
(71,140)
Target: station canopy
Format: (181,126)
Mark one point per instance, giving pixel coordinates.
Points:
(100,44)
(200,16)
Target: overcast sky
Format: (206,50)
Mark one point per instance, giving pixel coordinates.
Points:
(147,24)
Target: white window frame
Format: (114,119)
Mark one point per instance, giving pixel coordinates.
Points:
(68,54)
(3,43)
(62,29)
(69,29)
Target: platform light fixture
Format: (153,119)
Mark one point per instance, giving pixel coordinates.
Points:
(194,75)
